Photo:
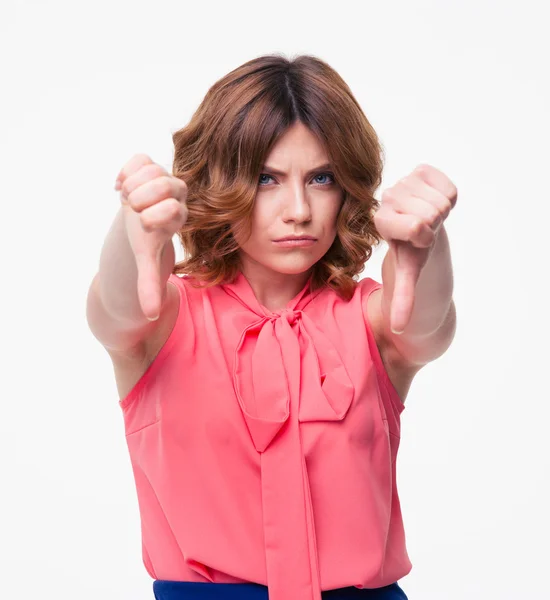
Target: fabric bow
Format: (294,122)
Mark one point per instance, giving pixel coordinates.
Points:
(287,372)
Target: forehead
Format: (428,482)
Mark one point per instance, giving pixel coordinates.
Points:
(298,144)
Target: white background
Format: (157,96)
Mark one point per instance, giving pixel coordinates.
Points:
(463,86)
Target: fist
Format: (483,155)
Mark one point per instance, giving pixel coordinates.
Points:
(154,210)
(410,215)
(414,208)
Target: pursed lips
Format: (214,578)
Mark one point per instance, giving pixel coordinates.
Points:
(296,238)
(295,241)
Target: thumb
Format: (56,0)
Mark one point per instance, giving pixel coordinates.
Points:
(149,282)
(407,271)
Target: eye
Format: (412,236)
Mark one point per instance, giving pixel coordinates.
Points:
(262,181)
(316,178)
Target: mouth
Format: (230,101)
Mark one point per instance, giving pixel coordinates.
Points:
(295,241)
(297,238)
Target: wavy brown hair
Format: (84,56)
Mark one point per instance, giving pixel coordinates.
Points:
(220,154)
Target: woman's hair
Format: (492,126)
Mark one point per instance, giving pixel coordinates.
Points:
(220,154)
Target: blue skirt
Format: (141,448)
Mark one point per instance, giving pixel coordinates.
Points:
(184,590)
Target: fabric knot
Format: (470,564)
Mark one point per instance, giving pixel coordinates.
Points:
(278,356)
(291,316)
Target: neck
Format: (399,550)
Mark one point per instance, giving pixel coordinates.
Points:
(273,290)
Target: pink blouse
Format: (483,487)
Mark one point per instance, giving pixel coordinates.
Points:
(263,445)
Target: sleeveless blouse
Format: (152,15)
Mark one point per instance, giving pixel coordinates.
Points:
(263,445)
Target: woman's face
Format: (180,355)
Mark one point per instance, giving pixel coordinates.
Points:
(296,206)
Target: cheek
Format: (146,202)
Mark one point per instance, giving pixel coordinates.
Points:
(330,216)
(263,217)
(259,224)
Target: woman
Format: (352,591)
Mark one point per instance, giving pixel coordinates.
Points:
(262,390)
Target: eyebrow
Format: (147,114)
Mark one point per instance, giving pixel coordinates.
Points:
(322,167)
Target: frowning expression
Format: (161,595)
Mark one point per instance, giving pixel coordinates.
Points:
(296,205)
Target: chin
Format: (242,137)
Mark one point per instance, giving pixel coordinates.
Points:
(295,263)
(291,267)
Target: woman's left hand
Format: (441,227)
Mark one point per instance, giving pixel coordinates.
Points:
(410,216)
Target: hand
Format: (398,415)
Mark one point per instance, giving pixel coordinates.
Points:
(154,210)
(409,218)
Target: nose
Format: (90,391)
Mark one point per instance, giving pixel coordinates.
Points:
(297,207)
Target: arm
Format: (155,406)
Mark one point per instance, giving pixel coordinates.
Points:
(432,324)
(113,309)
(126,301)
(413,316)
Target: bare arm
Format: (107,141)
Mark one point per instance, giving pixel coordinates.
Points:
(414,314)
(433,320)
(113,310)
(137,257)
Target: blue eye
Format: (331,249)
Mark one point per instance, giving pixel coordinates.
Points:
(264,175)
(325,175)
(264,178)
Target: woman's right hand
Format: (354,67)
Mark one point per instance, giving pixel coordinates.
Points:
(153,202)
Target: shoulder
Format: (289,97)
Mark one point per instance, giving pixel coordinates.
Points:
(400,372)
(131,365)
(370,293)
(176,314)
